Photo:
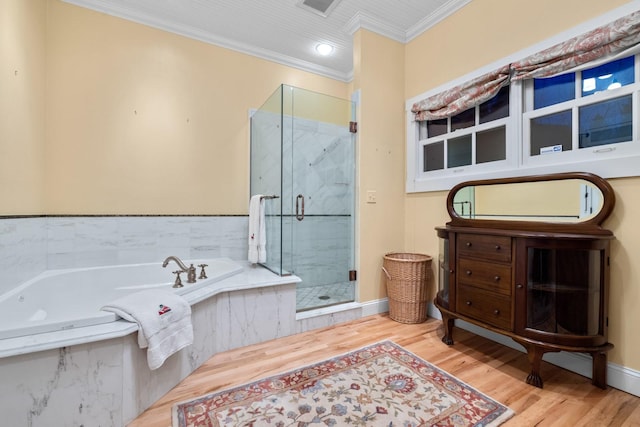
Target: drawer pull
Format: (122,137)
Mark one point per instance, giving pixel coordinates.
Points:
(497,278)
(468,244)
(519,286)
(468,272)
(497,247)
(468,302)
(496,312)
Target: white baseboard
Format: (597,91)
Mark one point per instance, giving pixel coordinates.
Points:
(620,377)
(379,306)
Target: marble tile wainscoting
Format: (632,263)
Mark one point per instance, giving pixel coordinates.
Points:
(98,375)
(28,246)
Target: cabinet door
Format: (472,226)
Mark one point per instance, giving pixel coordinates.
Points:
(446,277)
(561,290)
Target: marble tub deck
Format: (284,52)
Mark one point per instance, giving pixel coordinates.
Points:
(252,277)
(97,375)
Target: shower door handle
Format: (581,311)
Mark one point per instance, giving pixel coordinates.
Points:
(300,207)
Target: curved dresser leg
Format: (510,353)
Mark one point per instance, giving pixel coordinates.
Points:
(447,321)
(534,353)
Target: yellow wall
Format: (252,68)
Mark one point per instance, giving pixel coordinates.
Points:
(142,121)
(479,34)
(22,108)
(379,76)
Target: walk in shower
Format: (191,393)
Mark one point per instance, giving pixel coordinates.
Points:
(303,161)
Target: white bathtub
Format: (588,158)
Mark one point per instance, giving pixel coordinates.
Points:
(65,299)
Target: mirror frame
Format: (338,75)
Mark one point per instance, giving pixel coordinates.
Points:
(591,225)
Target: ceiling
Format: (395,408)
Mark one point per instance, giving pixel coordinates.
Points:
(285,31)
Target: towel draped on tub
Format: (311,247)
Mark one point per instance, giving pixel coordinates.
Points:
(164,322)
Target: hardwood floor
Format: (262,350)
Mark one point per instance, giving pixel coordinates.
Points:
(567,399)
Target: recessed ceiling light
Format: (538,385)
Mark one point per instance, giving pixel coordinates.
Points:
(324,49)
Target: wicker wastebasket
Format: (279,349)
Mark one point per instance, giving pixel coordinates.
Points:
(408,276)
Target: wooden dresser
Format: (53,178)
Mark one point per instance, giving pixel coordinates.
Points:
(542,282)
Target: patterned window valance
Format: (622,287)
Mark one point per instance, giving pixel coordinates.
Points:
(609,40)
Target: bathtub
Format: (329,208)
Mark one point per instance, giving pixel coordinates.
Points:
(58,300)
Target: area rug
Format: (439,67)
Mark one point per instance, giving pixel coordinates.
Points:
(379,385)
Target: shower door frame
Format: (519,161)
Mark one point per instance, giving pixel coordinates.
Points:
(336,259)
(273,126)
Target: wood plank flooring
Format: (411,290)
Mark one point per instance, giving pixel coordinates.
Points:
(567,399)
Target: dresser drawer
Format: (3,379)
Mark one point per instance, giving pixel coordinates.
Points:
(487,275)
(488,307)
(496,248)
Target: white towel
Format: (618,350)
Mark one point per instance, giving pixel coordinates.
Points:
(257,230)
(164,322)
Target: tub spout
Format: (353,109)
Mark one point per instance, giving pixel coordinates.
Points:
(176,260)
(191,271)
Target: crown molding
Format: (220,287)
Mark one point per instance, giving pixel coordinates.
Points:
(447,9)
(361,20)
(366,22)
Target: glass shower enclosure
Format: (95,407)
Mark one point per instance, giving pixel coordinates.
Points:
(303,163)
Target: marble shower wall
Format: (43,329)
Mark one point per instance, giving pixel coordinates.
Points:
(29,246)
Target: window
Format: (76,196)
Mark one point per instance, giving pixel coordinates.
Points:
(581,110)
(586,120)
(472,137)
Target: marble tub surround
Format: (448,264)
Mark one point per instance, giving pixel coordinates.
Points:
(29,246)
(103,377)
(250,279)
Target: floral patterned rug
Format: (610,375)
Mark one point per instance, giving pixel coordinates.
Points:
(379,385)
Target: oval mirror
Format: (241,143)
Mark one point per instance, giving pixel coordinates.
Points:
(568,198)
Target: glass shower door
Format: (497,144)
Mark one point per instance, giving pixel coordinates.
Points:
(318,186)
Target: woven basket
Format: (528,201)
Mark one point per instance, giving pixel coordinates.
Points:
(407,279)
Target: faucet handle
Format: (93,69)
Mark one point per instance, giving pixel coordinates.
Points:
(191,274)
(203,274)
(178,283)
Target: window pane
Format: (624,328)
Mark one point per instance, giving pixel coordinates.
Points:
(491,145)
(436,127)
(463,120)
(495,108)
(611,75)
(606,122)
(459,151)
(551,131)
(553,90)
(433,156)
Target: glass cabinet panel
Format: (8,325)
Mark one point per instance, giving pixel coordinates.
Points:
(443,273)
(564,291)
